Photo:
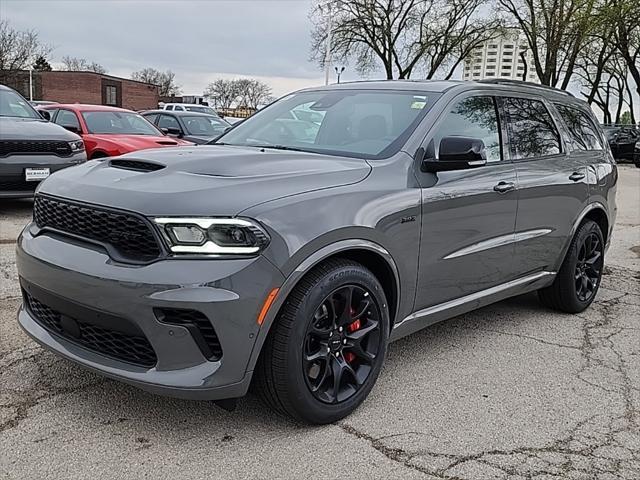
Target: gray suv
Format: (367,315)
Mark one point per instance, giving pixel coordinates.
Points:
(31,148)
(288,255)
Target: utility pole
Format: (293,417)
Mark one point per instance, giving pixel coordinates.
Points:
(31,84)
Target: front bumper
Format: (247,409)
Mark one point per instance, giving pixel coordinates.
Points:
(12,171)
(229,293)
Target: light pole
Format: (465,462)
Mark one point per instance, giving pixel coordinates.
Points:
(31,84)
(327,10)
(339,72)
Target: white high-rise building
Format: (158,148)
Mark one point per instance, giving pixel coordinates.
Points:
(501,58)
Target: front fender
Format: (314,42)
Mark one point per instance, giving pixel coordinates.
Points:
(302,269)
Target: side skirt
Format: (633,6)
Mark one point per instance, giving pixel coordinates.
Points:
(443,311)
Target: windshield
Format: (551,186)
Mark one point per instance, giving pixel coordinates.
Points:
(200,109)
(13,105)
(120,123)
(357,123)
(204,126)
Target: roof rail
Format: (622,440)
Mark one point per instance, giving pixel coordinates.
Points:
(506,81)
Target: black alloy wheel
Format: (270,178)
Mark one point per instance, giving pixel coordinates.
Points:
(341,344)
(588,267)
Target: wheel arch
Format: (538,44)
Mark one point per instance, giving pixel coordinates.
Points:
(595,211)
(370,254)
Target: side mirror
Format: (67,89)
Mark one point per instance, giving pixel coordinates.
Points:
(173,131)
(456,153)
(72,128)
(45,114)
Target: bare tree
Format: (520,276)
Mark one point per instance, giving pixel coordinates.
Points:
(401,35)
(19,49)
(166,81)
(223,92)
(75,64)
(556,31)
(624,15)
(253,93)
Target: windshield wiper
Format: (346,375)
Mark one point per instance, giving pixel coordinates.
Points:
(280,147)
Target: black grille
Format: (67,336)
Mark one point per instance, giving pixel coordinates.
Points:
(129,235)
(136,165)
(35,147)
(121,346)
(16,184)
(198,325)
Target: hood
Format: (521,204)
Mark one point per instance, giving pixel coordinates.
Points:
(131,143)
(12,128)
(207,180)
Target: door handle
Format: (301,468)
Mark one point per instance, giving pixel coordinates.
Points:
(576,176)
(504,187)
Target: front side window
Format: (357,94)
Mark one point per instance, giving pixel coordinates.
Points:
(152,117)
(119,123)
(582,132)
(168,121)
(13,105)
(473,117)
(532,132)
(357,123)
(67,118)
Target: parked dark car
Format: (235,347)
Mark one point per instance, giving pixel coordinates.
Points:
(31,148)
(624,142)
(195,127)
(290,262)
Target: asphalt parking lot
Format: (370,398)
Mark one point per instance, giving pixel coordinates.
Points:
(509,391)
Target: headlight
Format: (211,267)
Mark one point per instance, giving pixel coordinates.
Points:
(76,146)
(638,144)
(213,236)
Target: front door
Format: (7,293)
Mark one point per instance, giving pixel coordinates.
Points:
(468,216)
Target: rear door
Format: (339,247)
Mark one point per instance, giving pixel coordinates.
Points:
(468,216)
(552,182)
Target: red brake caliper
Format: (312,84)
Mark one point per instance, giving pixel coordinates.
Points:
(352,327)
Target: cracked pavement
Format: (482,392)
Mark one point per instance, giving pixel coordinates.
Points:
(511,391)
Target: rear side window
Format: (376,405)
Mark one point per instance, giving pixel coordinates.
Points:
(169,107)
(582,132)
(532,132)
(473,117)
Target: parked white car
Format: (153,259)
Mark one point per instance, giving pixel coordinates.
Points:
(188,107)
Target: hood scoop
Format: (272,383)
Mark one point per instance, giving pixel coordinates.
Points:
(136,165)
(166,142)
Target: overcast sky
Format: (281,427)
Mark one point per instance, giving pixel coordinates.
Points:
(197,40)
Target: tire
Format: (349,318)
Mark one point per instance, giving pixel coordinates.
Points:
(295,387)
(567,293)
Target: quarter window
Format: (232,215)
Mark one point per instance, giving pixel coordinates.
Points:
(582,132)
(532,132)
(473,117)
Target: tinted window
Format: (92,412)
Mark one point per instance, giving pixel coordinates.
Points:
(168,121)
(152,117)
(169,107)
(582,132)
(357,123)
(67,118)
(13,105)
(205,126)
(532,132)
(473,117)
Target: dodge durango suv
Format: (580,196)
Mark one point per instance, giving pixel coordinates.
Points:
(31,148)
(287,255)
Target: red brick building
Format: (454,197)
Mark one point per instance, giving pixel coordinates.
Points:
(84,87)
